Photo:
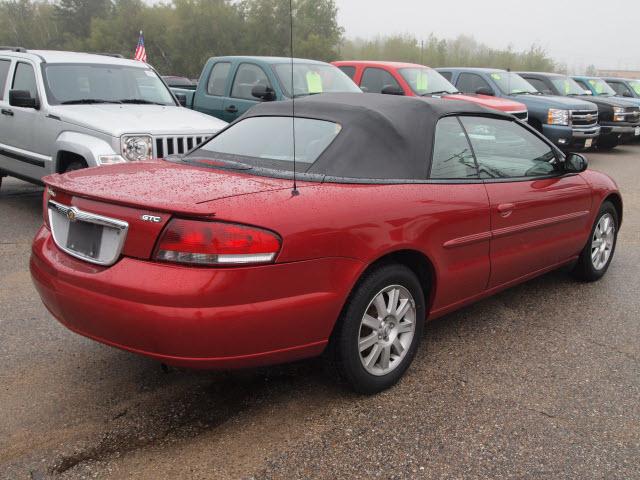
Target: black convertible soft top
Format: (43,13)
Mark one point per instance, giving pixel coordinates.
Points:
(382,136)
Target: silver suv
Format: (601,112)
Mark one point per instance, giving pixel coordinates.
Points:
(62,111)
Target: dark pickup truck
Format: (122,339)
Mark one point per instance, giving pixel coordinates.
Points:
(570,123)
(229,86)
(618,120)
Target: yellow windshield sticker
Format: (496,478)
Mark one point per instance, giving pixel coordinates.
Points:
(314,82)
(496,76)
(422,82)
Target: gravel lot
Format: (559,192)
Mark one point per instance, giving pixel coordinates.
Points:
(541,381)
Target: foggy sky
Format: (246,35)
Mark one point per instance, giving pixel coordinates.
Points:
(578,33)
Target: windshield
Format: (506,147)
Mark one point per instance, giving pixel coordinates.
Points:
(635,84)
(311,78)
(512,83)
(567,86)
(266,142)
(600,87)
(86,83)
(424,81)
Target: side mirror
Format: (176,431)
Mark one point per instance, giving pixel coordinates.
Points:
(182,99)
(22,98)
(392,90)
(627,93)
(485,91)
(575,163)
(264,93)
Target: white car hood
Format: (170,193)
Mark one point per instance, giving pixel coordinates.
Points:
(116,120)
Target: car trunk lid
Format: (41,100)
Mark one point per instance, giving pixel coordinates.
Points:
(145,195)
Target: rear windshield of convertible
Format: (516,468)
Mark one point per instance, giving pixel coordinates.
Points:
(267,142)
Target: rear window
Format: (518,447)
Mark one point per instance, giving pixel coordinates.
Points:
(267,142)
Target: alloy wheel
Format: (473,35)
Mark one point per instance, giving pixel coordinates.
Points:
(387,329)
(602,241)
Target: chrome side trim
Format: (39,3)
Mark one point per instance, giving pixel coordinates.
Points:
(120,226)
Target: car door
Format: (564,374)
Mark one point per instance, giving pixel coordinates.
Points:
(539,216)
(464,233)
(24,127)
(247,76)
(212,99)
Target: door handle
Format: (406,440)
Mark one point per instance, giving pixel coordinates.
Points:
(6,111)
(505,209)
(232,109)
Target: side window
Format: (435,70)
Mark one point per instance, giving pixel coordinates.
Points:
(471,82)
(447,75)
(619,87)
(452,156)
(25,79)
(539,85)
(4,73)
(247,77)
(218,79)
(505,149)
(348,71)
(375,79)
(583,84)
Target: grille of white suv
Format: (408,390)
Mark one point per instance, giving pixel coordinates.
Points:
(176,144)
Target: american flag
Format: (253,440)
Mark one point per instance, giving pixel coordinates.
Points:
(141,53)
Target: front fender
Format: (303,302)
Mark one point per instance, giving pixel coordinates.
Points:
(87,146)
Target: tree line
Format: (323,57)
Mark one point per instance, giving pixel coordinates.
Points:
(181,35)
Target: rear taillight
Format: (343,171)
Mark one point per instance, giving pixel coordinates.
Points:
(216,243)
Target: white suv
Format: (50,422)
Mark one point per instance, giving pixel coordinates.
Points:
(62,111)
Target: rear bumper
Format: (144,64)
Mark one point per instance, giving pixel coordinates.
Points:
(566,137)
(196,317)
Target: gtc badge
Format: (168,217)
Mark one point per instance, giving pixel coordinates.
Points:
(71,215)
(151,218)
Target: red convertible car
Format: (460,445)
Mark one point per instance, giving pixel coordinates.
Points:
(405,209)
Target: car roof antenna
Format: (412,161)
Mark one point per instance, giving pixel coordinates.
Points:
(295,191)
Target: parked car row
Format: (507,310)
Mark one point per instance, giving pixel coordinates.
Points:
(332,222)
(92,110)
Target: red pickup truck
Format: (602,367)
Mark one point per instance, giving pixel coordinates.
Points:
(414,80)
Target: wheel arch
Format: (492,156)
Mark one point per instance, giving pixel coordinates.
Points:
(616,200)
(64,158)
(416,261)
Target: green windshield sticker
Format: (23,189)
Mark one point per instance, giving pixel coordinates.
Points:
(636,87)
(422,82)
(496,76)
(567,87)
(314,82)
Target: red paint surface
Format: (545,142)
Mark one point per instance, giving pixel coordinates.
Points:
(243,316)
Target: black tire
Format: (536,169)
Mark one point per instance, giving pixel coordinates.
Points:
(345,352)
(585,269)
(75,165)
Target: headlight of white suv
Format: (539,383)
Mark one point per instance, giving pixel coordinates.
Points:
(137,147)
(558,117)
